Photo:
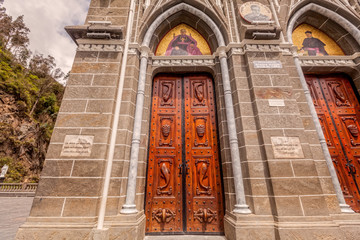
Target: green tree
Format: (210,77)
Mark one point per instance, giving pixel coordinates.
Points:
(46,70)
(14,36)
(29,101)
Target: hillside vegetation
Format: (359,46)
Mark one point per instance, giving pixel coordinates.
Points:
(29,101)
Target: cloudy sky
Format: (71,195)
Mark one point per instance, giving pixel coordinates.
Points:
(46,20)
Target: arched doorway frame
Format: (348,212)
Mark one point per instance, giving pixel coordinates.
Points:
(240,206)
(354,73)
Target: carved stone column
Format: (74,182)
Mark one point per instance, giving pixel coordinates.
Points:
(129,207)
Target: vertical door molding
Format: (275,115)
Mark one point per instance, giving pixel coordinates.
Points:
(129,207)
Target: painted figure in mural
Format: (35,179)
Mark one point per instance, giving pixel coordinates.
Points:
(255,14)
(314,46)
(183,44)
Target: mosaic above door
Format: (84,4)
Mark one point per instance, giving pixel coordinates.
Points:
(183,40)
(313,42)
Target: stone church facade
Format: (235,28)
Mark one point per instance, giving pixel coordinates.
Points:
(207,117)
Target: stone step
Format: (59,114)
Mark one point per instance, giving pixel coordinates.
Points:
(185,237)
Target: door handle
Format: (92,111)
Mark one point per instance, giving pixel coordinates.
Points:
(180,167)
(187,167)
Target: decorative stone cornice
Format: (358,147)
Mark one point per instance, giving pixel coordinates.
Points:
(100,47)
(286,50)
(156,62)
(97,36)
(95,30)
(327,61)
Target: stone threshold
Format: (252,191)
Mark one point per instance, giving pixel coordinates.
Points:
(185,237)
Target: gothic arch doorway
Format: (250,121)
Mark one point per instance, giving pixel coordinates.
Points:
(184,189)
(338,110)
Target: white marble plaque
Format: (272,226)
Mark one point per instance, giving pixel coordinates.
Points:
(267,64)
(77,146)
(276,103)
(287,147)
(4,170)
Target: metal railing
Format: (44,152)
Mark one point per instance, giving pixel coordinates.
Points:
(18,187)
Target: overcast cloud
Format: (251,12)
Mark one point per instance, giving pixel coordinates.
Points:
(46,20)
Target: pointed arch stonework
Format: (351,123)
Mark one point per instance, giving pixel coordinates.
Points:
(310,64)
(240,205)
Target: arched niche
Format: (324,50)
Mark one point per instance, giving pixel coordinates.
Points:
(332,29)
(311,41)
(183,40)
(184,17)
(338,25)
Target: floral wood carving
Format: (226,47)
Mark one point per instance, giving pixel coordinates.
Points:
(200,125)
(205,215)
(352,128)
(200,130)
(165,174)
(199,94)
(165,128)
(163,215)
(167,89)
(339,95)
(202,176)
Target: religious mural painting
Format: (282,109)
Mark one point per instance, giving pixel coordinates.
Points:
(183,40)
(313,42)
(255,12)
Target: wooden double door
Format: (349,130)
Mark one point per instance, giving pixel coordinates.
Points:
(184,188)
(338,110)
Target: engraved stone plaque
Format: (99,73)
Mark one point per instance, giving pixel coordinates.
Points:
(276,102)
(287,147)
(77,146)
(268,64)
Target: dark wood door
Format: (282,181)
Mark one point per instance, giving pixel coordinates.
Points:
(338,110)
(184,190)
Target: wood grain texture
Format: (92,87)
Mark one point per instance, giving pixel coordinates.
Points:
(184,189)
(338,110)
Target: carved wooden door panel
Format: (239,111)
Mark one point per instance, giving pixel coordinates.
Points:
(184,189)
(339,113)
(164,182)
(203,181)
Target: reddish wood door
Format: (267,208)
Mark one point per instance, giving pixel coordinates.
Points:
(338,110)
(184,190)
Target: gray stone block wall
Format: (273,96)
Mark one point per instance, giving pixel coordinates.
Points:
(287,196)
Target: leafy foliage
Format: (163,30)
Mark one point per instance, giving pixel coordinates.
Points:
(14,35)
(30,98)
(16,171)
